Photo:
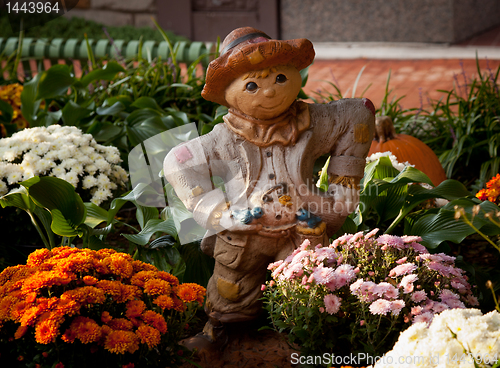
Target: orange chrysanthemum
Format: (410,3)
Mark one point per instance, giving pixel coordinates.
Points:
(154,319)
(171,279)
(140,266)
(120,342)
(89,280)
(164,302)
(46,331)
(106,317)
(190,292)
(149,335)
(86,329)
(37,257)
(85,295)
(140,278)
(157,287)
(492,191)
(121,324)
(135,308)
(120,265)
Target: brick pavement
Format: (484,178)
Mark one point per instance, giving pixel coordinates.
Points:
(417,80)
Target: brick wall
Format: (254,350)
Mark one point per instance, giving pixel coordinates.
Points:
(117,12)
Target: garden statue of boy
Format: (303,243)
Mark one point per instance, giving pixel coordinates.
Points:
(265,152)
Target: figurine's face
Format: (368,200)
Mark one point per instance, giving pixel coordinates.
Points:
(265,97)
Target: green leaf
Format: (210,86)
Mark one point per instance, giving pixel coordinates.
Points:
(29,104)
(18,198)
(95,215)
(55,82)
(146,102)
(108,72)
(322,183)
(138,116)
(435,228)
(111,110)
(153,226)
(72,113)
(60,198)
(144,214)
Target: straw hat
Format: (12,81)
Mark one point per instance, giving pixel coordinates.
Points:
(246,49)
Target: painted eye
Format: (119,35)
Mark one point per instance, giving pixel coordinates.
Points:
(251,86)
(281,78)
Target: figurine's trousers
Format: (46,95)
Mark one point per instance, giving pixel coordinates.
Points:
(241,260)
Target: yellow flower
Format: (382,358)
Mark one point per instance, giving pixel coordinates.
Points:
(149,335)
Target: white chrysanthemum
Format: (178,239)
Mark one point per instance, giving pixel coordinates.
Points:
(103,165)
(88,182)
(442,344)
(15,176)
(397,165)
(91,169)
(10,154)
(58,171)
(72,178)
(62,152)
(100,195)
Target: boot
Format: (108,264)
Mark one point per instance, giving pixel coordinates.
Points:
(213,339)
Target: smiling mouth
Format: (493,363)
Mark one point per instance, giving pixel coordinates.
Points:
(272,107)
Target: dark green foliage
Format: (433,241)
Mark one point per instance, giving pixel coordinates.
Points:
(76,28)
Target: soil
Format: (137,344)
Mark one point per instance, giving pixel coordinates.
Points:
(250,349)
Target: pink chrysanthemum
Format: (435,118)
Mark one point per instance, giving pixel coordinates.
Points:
(380,307)
(419,296)
(323,275)
(392,241)
(407,283)
(332,303)
(403,269)
(424,317)
(397,306)
(387,290)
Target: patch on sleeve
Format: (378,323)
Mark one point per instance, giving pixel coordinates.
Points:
(182,154)
(362,133)
(197,191)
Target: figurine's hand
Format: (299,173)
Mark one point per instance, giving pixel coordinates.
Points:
(231,223)
(346,199)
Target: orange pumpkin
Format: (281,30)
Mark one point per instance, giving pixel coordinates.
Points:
(407,149)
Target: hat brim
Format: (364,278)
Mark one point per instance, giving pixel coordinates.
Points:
(226,68)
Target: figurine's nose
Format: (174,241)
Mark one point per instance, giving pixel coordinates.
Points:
(269,92)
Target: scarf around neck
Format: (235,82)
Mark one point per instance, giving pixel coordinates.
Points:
(284,129)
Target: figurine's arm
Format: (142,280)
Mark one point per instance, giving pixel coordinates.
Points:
(188,169)
(345,129)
